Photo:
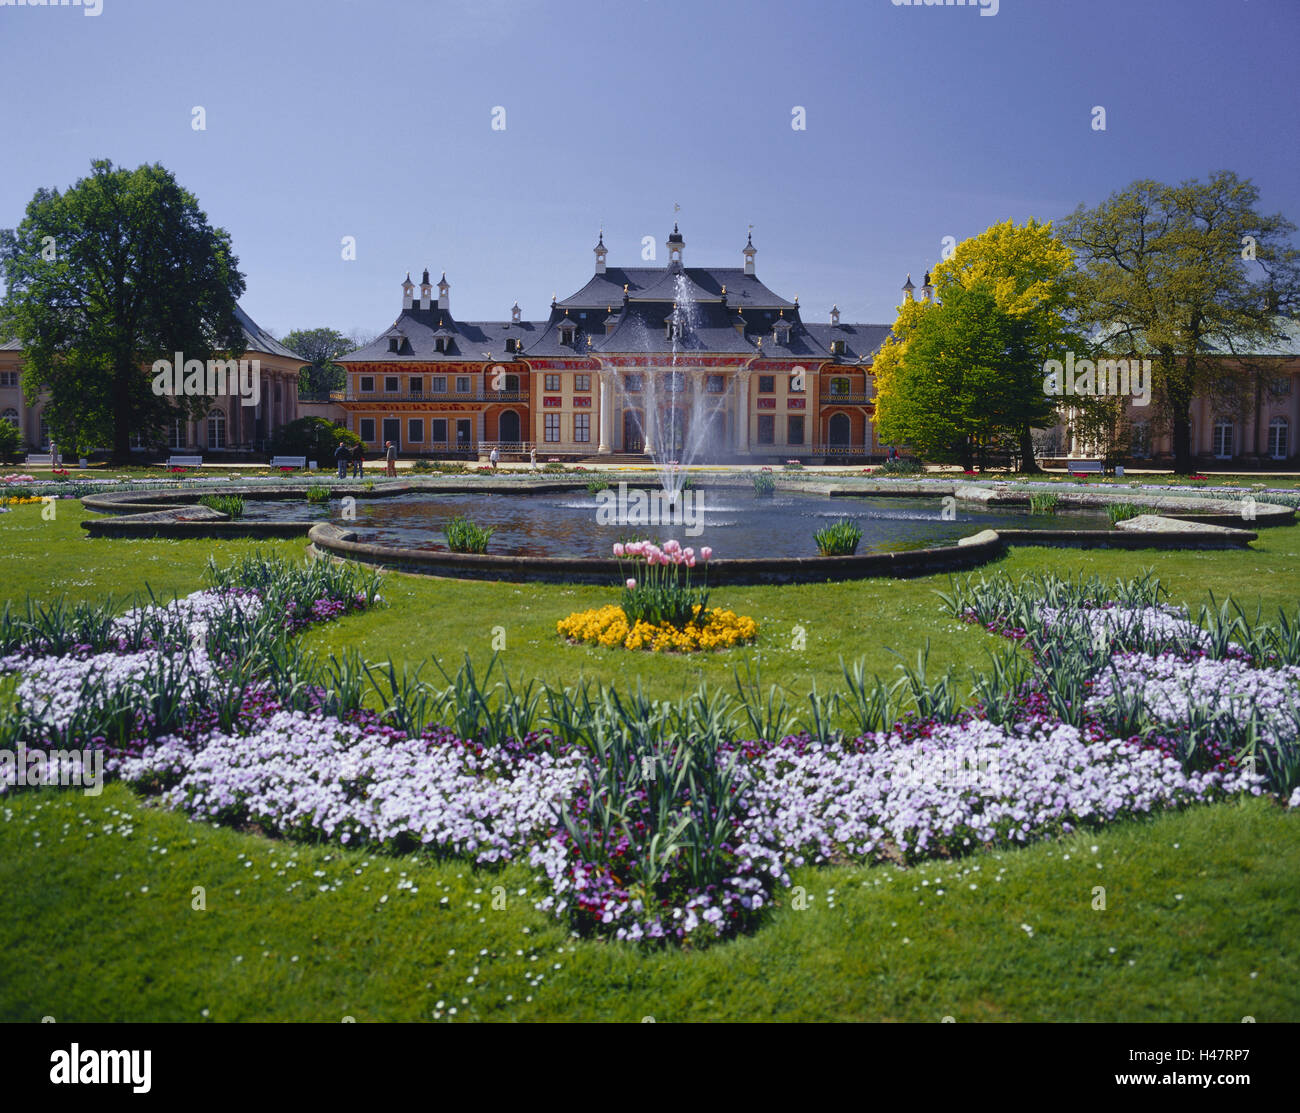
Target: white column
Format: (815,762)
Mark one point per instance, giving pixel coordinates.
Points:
(648,397)
(606,416)
(742,412)
(480,428)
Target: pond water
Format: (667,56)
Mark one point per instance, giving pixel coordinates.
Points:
(733,522)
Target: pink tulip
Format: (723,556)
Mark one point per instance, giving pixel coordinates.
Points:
(631,585)
(618,548)
(671,546)
(706,553)
(690,553)
(690,561)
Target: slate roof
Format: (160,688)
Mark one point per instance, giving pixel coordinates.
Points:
(468,339)
(259,340)
(658,282)
(860,341)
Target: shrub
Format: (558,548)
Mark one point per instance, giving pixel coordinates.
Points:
(1044,502)
(1121,512)
(839,539)
(318,494)
(230,505)
(552,466)
(463,536)
(595,486)
(899,467)
(422,465)
(313,437)
(764,485)
(792,465)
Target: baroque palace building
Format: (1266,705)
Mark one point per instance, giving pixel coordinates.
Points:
(705,363)
(228,427)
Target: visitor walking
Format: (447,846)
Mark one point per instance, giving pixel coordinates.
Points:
(54,454)
(341,454)
(494,457)
(390,454)
(358,459)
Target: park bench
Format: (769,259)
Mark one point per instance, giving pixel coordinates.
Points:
(288,461)
(1084,467)
(37,458)
(185,461)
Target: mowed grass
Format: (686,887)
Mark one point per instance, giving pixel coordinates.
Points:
(1201,906)
(100,922)
(803,629)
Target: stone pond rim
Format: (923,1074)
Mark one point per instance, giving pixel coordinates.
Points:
(1176,522)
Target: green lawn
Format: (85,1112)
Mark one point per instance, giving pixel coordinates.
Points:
(99,924)
(1201,906)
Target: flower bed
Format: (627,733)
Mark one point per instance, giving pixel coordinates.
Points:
(608,626)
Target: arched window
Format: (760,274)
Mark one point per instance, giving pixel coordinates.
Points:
(508,430)
(1222,446)
(10,415)
(216,429)
(1141,447)
(1279,447)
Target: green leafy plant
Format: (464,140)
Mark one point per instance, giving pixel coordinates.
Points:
(1121,512)
(463,536)
(899,466)
(764,485)
(839,539)
(230,505)
(595,486)
(1044,502)
(318,494)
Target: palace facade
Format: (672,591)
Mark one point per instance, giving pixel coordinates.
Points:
(227,428)
(701,362)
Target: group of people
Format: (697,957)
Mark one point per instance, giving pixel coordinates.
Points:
(356,455)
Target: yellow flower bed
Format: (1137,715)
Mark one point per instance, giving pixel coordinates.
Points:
(608,626)
(19,500)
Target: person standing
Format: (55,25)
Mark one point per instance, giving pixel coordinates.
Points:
(390,454)
(494,457)
(54,454)
(532,458)
(358,459)
(341,454)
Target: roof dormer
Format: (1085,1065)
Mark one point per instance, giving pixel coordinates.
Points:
(568,329)
(781,330)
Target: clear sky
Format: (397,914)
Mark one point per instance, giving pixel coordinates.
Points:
(373,119)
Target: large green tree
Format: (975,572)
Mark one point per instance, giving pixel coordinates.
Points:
(102,280)
(1169,271)
(965,379)
(320,347)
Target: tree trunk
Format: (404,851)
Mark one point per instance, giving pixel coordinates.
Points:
(121,422)
(1182,429)
(1027,462)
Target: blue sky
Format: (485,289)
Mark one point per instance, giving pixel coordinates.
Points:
(373,119)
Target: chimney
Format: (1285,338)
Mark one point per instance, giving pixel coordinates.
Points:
(408,292)
(426,291)
(443,287)
(516,314)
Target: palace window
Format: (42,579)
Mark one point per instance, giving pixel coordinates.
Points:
(674,381)
(839,386)
(581,382)
(392,343)
(632,384)
(415,430)
(216,429)
(10,415)
(390,384)
(766,429)
(766,384)
(798,380)
(367,433)
(714,384)
(43,433)
(567,329)
(438,384)
(8,378)
(176,434)
(441,344)
(367,384)
(512,344)
(551,382)
(463,384)
(1140,449)
(417,384)
(551,426)
(837,347)
(1278,440)
(1222,445)
(794,430)
(581,427)
(438,430)
(1280,386)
